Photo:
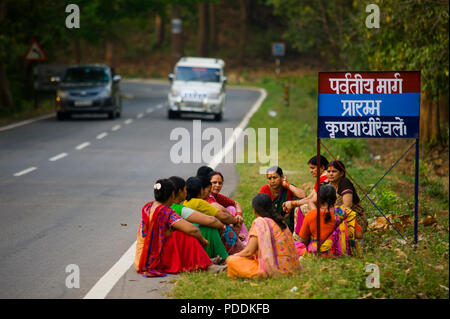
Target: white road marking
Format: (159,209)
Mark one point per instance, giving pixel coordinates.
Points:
(8,127)
(107,282)
(115,128)
(102,288)
(159,106)
(237,131)
(102,135)
(25,171)
(129,121)
(57,157)
(149,111)
(140,115)
(83,145)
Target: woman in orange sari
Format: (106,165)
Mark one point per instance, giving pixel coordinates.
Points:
(270,249)
(338,228)
(166,243)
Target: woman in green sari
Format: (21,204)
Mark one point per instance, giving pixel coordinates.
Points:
(209,226)
(280,191)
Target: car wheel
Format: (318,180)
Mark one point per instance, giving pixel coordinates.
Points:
(218,116)
(61,116)
(112,115)
(173,114)
(118,114)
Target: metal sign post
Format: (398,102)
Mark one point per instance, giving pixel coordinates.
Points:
(34,55)
(371,105)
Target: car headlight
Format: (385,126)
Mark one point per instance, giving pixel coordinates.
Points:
(105,93)
(62,94)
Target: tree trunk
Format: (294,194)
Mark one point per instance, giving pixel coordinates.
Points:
(177,44)
(160,30)
(425,118)
(78,51)
(243,31)
(202,35)
(109,53)
(5,92)
(213,42)
(436,138)
(443,108)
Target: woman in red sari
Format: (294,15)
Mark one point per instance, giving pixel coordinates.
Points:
(166,243)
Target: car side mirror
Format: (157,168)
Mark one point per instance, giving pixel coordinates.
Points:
(171,76)
(116,78)
(55,79)
(224,79)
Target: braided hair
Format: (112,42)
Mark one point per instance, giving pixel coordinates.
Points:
(327,196)
(262,203)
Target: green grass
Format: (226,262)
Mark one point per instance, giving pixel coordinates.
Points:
(404,273)
(24,109)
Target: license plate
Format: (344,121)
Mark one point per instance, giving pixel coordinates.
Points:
(82,103)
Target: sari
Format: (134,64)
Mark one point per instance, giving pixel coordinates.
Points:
(157,254)
(212,235)
(340,242)
(277,202)
(276,253)
(230,206)
(202,206)
(361,215)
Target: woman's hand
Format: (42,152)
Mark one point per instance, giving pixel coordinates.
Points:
(205,242)
(285,183)
(288,205)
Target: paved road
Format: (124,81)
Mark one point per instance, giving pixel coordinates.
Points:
(83,208)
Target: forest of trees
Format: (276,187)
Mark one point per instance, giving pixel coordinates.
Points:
(413,35)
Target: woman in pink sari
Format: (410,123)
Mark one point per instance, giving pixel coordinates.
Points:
(270,249)
(232,206)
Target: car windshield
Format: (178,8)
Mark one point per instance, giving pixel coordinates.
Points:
(86,74)
(186,73)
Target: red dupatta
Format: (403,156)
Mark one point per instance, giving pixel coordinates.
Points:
(153,229)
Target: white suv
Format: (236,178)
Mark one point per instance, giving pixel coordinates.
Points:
(198,86)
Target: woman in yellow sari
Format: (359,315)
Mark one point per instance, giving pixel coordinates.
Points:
(270,249)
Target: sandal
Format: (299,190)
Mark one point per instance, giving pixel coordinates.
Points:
(217,268)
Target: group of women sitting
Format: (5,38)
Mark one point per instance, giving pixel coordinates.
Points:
(192,226)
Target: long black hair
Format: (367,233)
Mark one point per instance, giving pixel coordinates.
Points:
(204,170)
(193,187)
(327,196)
(214,173)
(338,165)
(163,189)
(323,161)
(262,203)
(178,182)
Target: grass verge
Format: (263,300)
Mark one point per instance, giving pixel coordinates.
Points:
(404,273)
(25,110)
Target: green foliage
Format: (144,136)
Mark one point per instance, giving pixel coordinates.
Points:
(386,199)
